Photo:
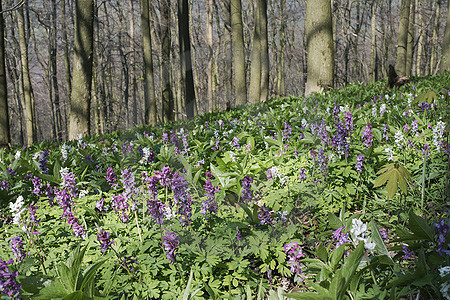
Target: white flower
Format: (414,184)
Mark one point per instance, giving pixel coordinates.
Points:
(399,139)
(36,155)
(64,152)
(445,290)
(274,171)
(64,171)
(146,152)
(169,213)
(17,209)
(374,111)
(383,109)
(358,228)
(444,271)
(232,156)
(389,153)
(438,133)
(369,245)
(304,123)
(83,193)
(17,155)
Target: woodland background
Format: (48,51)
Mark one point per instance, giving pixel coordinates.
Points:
(39,43)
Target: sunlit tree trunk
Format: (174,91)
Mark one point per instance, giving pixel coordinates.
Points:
(373,42)
(54,70)
(80,102)
(255,63)
(187,76)
(402,38)
(446,44)
(5,137)
(210,69)
(319,42)
(27,88)
(420,43)
(281,91)
(166,92)
(411,38)
(265,67)
(150,115)
(434,39)
(240,81)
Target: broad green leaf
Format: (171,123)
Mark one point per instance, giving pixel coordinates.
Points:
(337,284)
(392,184)
(336,256)
(322,253)
(77,295)
(419,226)
(308,296)
(375,233)
(334,222)
(54,290)
(66,278)
(88,279)
(351,263)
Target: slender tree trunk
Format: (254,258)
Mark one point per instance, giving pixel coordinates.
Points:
(228,53)
(209,40)
(27,89)
(80,103)
(434,40)
(420,43)
(133,83)
(150,116)
(185,58)
(411,38)
(264,44)
(240,81)
(54,70)
(255,66)
(166,88)
(5,137)
(319,41)
(281,89)
(403,37)
(67,67)
(373,42)
(446,44)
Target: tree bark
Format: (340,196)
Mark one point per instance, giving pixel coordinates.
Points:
(27,88)
(5,137)
(319,41)
(54,70)
(281,90)
(210,69)
(187,76)
(255,64)
(411,38)
(402,41)
(373,42)
(237,40)
(150,116)
(166,88)
(133,83)
(80,103)
(434,39)
(264,44)
(446,44)
(420,43)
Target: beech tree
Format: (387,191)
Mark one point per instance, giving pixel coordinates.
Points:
(5,137)
(319,42)
(240,81)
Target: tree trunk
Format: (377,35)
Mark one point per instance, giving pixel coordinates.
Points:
(411,38)
(27,88)
(133,83)
(54,71)
(166,89)
(187,76)
(255,64)
(373,42)
(264,44)
(319,42)
(446,44)
(80,103)
(420,43)
(5,137)
(281,90)
(434,39)
(237,40)
(402,41)
(210,69)
(150,116)
(228,54)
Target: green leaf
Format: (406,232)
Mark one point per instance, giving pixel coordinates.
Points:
(322,253)
(351,263)
(419,226)
(380,246)
(308,296)
(334,222)
(54,290)
(88,279)
(336,285)
(336,256)
(66,278)
(78,295)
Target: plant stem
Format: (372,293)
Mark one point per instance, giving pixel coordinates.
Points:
(423,181)
(137,224)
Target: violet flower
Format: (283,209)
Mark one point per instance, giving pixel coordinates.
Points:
(111,178)
(16,245)
(302,175)
(8,282)
(265,216)
(340,237)
(247,193)
(294,253)
(442,230)
(157,209)
(210,204)
(359,162)
(170,244)
(103,237)
(182,198)
(367,136)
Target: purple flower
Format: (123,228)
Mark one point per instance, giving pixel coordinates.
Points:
(78,230)
(265,216)
(238,234)
(182,198)
(4,185)
(170,244)
(152,185)
(322,160)
(103,237)
(348,120)
(414,126)
(210,204)
(43,157)
(384,234)
(340,237)
(235,142)
(157,210)
(302,175)
(164,176)
(407,253)
(425,152)
(247,193)
(17,248)
(320,129)
(130,262)
(33,218)
(64,201)
(111,178)
(120,204)
(385,134)
(37,185)
(8,283)
(100,205)
(129,184)
(340,139)
(287,131)
(127,148)
(359,162)
(442,229)
(367,135)
(294,253)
